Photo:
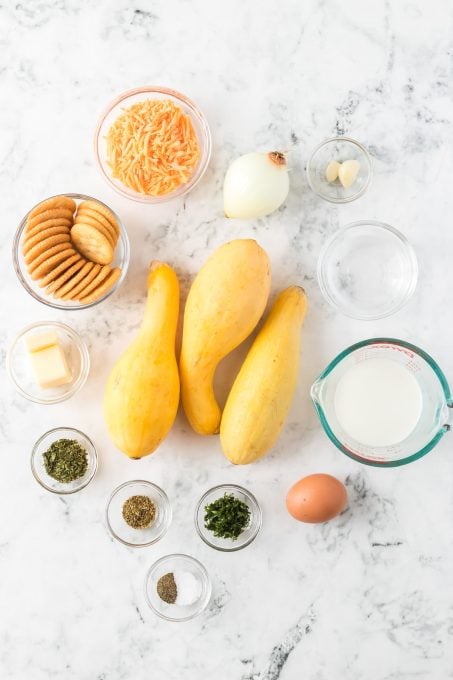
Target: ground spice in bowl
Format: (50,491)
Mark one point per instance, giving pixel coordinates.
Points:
(139,512)
(65,460)
(166,588)
(181,588)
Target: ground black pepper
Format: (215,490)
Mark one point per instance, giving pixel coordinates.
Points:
(166,588)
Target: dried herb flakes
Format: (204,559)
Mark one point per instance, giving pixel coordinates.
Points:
(139,512)
(65,460)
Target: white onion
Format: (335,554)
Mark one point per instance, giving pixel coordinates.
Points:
(255,185)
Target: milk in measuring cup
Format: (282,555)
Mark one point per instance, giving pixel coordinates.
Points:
(378,402)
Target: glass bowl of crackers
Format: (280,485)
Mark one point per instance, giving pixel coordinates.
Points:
(152,144)
(71,251)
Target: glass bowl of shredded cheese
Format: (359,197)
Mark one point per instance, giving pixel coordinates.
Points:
(152,144)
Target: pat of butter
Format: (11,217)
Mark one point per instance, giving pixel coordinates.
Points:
(48,360)
(39,341)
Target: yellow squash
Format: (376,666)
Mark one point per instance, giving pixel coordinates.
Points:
(225,302)
(142,394)
(261,396)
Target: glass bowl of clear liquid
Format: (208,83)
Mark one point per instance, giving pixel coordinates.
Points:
(383,402)
(367,270)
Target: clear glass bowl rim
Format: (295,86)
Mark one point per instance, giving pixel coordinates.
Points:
(400,343)
(206,143)
(35,449)
(85,361)
(159,491)
(207,581)
(380,225)
(363,149)
(57,305)
(256,514)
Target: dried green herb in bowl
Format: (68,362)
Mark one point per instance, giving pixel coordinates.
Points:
(227,517)
(65,460)
(139,511)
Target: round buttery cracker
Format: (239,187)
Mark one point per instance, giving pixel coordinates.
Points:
(94,215)
(42,226)
(99,208)
(67,276)
(40,247)
(103,288)
(39,259)
(58,270)
(53,213)
(30,241)
(104,228)
(52,262)
(95,282)
(52,203)
(81,285)
(60,288)
(91,243)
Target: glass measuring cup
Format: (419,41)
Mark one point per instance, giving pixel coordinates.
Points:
(437,402)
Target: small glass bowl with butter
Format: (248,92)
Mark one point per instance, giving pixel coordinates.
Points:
(339,170)
(38,466)
(48,362)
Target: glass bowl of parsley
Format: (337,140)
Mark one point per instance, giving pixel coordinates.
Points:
(228,517)
(64,460)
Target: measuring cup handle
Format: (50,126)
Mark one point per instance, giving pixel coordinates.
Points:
(447,426)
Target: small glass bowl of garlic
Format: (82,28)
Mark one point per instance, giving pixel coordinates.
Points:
(339,170)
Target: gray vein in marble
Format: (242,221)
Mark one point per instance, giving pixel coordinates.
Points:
(132,24)
(345,113)
(390,37)
(37,13)
(280,653)
(220,599)
(139,614)
(387,544)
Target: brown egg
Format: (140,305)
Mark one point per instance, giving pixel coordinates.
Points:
(316,498)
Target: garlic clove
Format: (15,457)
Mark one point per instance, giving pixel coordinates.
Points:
(332,171)
(347,173)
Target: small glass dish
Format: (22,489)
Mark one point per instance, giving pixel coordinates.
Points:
(339,149)
(39,470)
(21,373)
(250,532)
(127,99)
(172,564)
(121,260)
(367,270)
(118,527)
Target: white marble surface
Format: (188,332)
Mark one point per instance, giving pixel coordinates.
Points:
(369,595)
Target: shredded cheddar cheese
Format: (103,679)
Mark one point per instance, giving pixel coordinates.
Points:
(152,147)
